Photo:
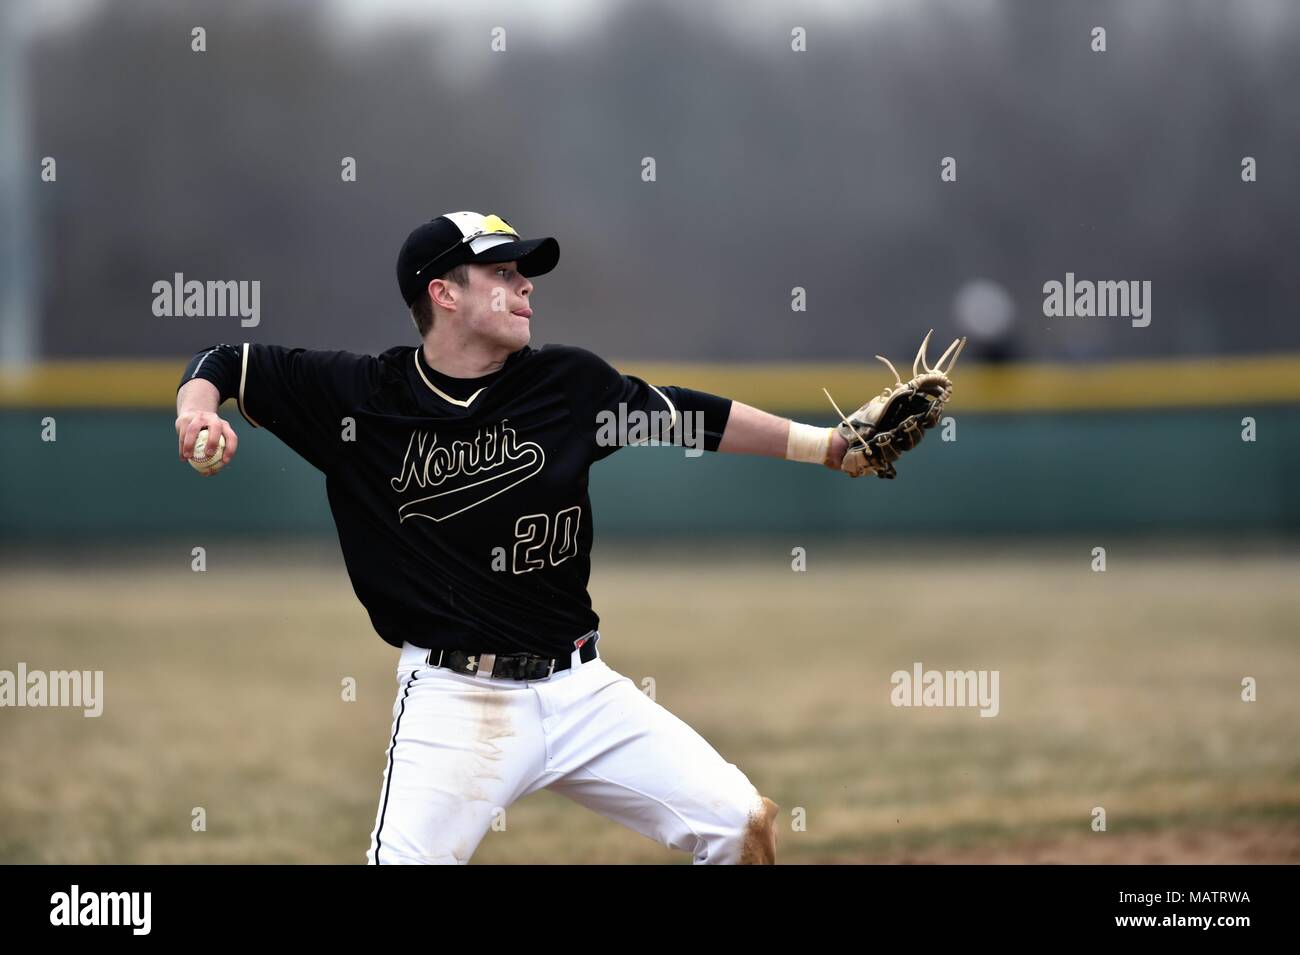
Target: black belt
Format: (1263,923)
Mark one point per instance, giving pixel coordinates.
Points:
(511,666)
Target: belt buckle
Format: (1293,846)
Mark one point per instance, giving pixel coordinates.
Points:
(486,662)
(520,665)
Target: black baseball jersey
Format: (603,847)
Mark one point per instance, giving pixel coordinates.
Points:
(461,504)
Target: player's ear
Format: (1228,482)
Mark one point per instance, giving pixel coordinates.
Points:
(442,293)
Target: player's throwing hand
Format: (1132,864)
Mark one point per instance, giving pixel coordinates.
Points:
(188,425)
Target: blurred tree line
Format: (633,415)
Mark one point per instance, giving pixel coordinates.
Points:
(775,169)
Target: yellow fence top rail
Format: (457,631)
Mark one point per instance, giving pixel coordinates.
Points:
(786,386)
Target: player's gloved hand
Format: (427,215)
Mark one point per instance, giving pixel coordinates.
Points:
(895,421)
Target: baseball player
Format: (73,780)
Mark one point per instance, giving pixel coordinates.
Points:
(456,472)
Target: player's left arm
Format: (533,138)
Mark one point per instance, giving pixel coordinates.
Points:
(603,400)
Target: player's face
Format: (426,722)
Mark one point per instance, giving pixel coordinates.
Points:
(498,308)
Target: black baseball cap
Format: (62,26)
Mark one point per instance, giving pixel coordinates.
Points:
(456,238)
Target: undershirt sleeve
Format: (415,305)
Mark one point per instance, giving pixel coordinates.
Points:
(218,364)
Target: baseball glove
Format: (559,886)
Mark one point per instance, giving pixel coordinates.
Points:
(896,420)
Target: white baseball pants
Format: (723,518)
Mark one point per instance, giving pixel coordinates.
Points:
(464,748)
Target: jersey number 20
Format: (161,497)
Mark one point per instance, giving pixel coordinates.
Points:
(533,533)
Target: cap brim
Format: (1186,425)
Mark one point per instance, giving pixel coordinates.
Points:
(535,256)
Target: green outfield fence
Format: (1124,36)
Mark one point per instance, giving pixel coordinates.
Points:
(114,474)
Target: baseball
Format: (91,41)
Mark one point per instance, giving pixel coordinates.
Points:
(197,460)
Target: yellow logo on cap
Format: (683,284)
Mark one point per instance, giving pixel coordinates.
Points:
(496,224)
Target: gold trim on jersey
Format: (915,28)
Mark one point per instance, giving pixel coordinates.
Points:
(673,414)
(438,391)
(243,377)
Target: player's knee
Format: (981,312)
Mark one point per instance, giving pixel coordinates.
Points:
(752,838)
(759,847)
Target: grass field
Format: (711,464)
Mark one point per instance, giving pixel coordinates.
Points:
(1119,689)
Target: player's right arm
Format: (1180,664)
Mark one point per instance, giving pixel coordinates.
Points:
(299,395)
